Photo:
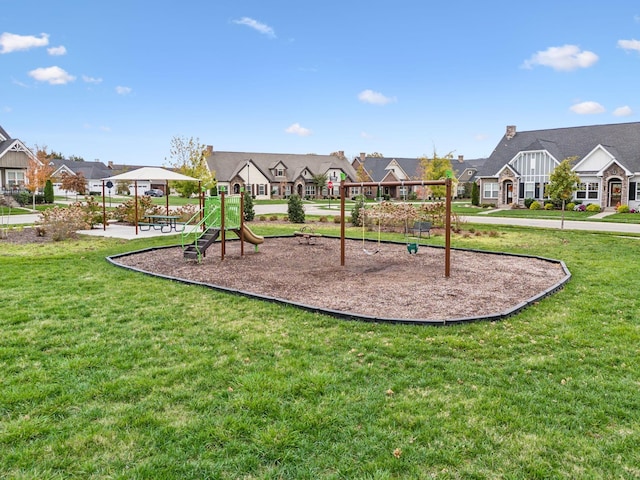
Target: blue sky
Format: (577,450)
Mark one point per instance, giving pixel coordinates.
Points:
(116,80)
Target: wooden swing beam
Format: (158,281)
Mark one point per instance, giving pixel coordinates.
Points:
(447,225)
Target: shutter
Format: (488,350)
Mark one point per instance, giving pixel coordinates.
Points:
(521,190)
(536,191)
(632,190)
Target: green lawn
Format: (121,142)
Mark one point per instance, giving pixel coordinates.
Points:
(107,373)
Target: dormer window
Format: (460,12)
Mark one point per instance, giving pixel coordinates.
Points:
(279,172)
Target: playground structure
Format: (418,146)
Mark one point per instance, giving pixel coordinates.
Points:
(220,214)
(447,227)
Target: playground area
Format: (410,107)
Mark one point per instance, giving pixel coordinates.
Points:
(390,284)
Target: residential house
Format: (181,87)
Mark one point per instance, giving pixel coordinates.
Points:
(14,162)
(94,173)
(384,169)
(605,157)
(277,175)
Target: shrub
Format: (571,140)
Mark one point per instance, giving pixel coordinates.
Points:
(186,212)
(548,206)
(249,211)
(262,218)
(336,219)
(356,212)
(475,194)
(623,209)
(48,192)
(62,223)
(535,205)
(322,219)
(528,202)
(593,207)
(570,206)
(579,208)
(295,210)
(273,218)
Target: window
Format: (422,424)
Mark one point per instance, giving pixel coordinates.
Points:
(261,189)
(310,190)
(529,190)
(587,191)
(279,172)
(490,190)
(15,178)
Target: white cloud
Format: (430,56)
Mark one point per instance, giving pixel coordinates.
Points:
(297,129)
(7,109)
(123,90)
(57,51)
(88,79)
(629,45)
(105,128)
(565,58)
(256,25)
(481,137)
(366,135)
(587,108)
(10,42)
(375,98)
(623,111)
(51,75)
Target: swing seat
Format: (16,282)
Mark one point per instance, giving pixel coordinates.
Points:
(412,248)
(370,253)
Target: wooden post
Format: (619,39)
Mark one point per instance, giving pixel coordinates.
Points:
(447,246)
(241,223)
(342,226)
(222,231)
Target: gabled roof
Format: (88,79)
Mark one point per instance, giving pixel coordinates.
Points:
(4,135)
(90,170)
(227,164)
(377,166)
(561,143)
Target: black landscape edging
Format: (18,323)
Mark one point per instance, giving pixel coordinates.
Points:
(365,318)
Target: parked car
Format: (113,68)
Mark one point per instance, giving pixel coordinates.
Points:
(154,192)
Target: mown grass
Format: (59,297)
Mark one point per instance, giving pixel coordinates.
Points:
(107,373)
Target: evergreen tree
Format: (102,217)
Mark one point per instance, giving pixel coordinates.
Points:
(48,192)
(475,194)
(249,211)
(356,212)
(295,210)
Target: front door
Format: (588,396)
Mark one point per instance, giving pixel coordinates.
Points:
(615,193)
(508,193)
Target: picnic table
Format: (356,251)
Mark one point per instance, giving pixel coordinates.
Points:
(164,223)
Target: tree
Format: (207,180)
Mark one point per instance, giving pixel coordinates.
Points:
(249,211)
(436,168)
(563,182)
(38,172)
(475,194)
(295,210)
(320,181)
(375,155)
(73,183)
(48,191)
(189,158)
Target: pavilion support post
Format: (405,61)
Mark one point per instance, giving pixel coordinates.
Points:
(135,201)
(241,224)
(104,209)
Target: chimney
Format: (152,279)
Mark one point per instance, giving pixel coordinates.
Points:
(209,150)
(460,158)
(110,165)
(363,156)
(511,132)
(341,153)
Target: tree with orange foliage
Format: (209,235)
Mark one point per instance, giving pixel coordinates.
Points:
(73,183)
(38,172)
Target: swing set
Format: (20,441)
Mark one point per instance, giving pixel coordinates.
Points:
(447,227)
